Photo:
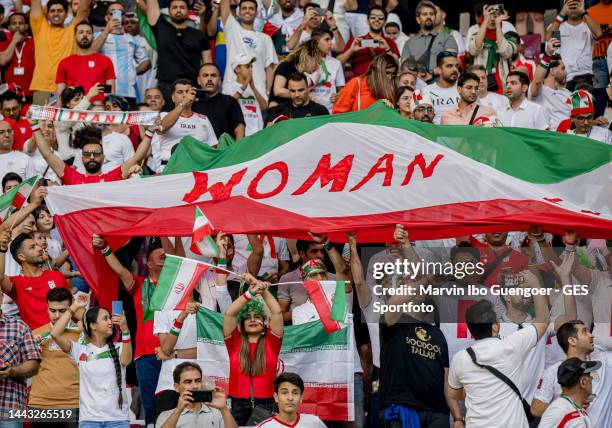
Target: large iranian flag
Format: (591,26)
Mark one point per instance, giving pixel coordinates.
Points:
(324,361)
(15,198)
(363,171)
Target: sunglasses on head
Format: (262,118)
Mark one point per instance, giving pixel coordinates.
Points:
(448,53)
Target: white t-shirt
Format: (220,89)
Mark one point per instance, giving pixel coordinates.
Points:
(251,110)
(442,98)
(41,165)
(251,43)
(576,49)
(548,388)
(563,413)
(489,401)
(553,100)
(600,409)
(528,115)
(601,299)
(98,391)
(17,162)
(332,78)
(596,133)
(212,294)
(303,421)
(197,126)
(495,101)
(268,264)
(162,323)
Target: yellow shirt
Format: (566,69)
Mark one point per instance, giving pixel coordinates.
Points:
(51,45)
(57,383)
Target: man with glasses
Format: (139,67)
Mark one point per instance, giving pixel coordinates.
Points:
(582,115)
(89,139)
(128,55)
(443,92)
(422,107)
(360,51)
(427,44)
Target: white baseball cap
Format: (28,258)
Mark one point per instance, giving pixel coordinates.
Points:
(242,59)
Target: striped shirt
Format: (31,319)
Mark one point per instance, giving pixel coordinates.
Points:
(17,346)
(126,52)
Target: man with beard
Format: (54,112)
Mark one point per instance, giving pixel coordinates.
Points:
(521,112)
(181,48)
(427,44)
(242,38)
(18,56)
(29,289)
(85,68)
(548,86)
(287,20)
(11,109)
(300,104)
(468,111)
(443,92)
(422,107)
(53,42)
(222,110)
(360,53)
(89,140)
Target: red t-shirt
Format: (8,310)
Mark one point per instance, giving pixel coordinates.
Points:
(363,57)
(20,72)
(515,260)
(263,385)
(22,131)
(146,341)
(72,176)
(85,71)
(30,294)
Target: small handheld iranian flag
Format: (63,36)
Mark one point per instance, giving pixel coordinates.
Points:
(178,278)
(15,198)
(329,299)
(202,242)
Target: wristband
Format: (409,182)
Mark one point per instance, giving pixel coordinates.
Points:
(541,239)
(107,251)
(175,332)
(545,62)
(328,246)
(560,19)
(248,295)
(570,249)
(125,337)
(178,324)
(149,133)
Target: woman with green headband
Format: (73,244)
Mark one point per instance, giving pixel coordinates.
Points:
(253,343)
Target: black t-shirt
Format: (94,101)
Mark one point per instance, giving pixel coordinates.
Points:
(223,111)
(284,69)
(413,355)
(287,109)
(180,51)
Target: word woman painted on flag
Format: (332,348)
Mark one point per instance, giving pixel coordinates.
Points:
(324,361)
(364,172)
(178,278)
(87,116)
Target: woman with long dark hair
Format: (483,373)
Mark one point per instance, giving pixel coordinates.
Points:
(102,395)
(402,101)
(377,84)
(253,342)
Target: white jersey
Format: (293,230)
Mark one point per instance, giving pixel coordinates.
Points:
(601,299)
(600,409)
(197,126)
(563,413)
(17,162)
(275,250)
(532,365)
(332,78)
(495,101)
(548,388)
(442,98)
(303,421)
(251,110)
(553,100)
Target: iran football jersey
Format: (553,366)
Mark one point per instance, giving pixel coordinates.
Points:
(303,421)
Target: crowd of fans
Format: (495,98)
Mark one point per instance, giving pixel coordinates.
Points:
(233,67)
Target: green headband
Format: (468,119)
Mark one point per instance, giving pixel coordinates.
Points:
(254,305)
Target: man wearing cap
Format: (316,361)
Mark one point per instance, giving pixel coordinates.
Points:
(223,110)
(422,107)
(576,380)
(581,118)
(252,100)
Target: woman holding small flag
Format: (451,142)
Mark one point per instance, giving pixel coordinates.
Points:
(253,342)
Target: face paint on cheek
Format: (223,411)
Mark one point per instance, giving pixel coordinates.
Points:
(260,322)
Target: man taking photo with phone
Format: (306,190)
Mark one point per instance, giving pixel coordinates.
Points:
(190,411)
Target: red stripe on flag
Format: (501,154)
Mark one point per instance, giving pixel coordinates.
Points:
(200,269)
(319,300)
(18,200)
(329,403)
(462,330)
(198,235)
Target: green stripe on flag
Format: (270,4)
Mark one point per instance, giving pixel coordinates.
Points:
(531,155)
(6,200)
(145,29)
(167,278)
(338,309)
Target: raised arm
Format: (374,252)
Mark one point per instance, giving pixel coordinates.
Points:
(83,11)
(59,328)
(125,358)
(342,272)
(542,69)
(256,256)
(126,277)
(211,26)
(540,302)
(276,314)
(169,120)
(167,341)
(564,274)
(229,319)
(54,161)
(36,9)
(226,11)
(141,152)
(15,219)
(363,294)
(5,239)
(151,7)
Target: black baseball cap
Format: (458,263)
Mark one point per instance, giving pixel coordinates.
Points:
(572,369)
(153,245)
